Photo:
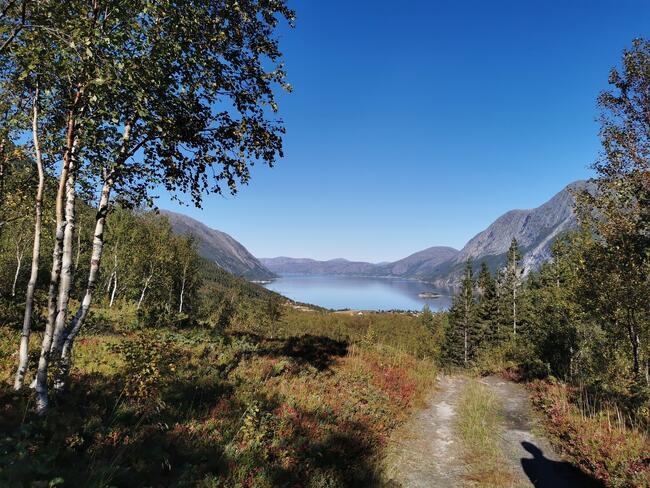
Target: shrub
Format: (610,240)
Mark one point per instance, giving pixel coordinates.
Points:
(596,439)
(534,369)
(149,365)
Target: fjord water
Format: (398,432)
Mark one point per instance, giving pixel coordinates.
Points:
(359,293)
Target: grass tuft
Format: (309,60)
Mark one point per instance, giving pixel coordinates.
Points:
(478,426)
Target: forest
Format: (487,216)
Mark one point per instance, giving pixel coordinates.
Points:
(584,318)
(129,360)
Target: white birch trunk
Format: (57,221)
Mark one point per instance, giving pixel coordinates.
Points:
(95,261)
(19,265)
(144,289)
(76,261)
(109,284)
(180,307)
(110,305)
(65,281)
(23,353)
(40,384)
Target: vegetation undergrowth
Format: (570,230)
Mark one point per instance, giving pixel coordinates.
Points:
(478,427)
(209,407)
(596,436)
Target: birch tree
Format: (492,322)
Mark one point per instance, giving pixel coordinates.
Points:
(187,88)
(20,246)
(186,257)
(618,212)
(36,249)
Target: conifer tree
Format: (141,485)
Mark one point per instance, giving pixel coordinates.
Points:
(487,310)
(461,337)
(435,325)
(513,279)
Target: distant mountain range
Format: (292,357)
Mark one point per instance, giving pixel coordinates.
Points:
(419,265)
(534,229)
(219,248)
(306,266)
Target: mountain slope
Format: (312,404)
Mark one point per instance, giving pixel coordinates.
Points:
(421,264)
(219,247)
(414,266)
(535,230)
(305,266)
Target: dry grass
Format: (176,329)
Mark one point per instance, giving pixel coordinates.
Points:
(478,426)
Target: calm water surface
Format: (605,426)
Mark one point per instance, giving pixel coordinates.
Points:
(339,292)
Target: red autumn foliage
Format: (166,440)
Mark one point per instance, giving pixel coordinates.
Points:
(615,454)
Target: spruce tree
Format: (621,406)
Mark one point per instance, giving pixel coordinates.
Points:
(487,310)
(513,275)
(461,337)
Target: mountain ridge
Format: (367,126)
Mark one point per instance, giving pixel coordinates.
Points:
(535,230)
(219,247)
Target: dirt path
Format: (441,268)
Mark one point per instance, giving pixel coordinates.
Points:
(533,462)
(427,453)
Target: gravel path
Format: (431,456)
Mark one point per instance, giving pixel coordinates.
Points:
(427,453)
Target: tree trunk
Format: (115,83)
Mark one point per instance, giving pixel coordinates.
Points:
(95,261)
(19,264)
(110,305)
(514,309)
(465,340)
(112,283)
(180,307)
(465,330)
(36,251)
(634,340)
(84,307)
(3,172)
(42,400)
(514,295)
(76,261)
(3,164)
(65,281)
(109,284)
(144,289)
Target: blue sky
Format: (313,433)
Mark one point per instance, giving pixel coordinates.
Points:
(417,123)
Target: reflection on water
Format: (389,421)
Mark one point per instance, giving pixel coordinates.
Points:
(339,292)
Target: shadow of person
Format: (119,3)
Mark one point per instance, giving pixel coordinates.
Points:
(546,473)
